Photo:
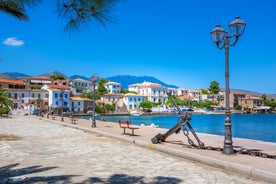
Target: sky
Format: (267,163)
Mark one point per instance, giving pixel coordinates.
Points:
(169,40)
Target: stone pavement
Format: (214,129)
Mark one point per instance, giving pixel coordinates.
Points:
(51,151)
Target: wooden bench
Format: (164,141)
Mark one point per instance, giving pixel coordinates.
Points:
(73,120)
(127,124)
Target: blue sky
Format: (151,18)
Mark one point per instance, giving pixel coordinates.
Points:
(169,40)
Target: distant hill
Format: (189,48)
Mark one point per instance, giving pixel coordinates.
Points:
(13,75)
(127,80)
(3,76)
(250,93)
(80,77)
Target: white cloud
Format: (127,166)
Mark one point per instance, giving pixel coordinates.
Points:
(13,41)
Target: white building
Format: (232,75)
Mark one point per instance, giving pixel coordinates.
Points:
(195,93)
(152,91)
(78,104)
(132,101)
(178,91)
(29,99)
(135,87)
(59,97)
(113,87)
(80,85)
(213,97)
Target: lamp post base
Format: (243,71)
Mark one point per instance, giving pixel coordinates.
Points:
(93,124)
(228,149)
(228,143)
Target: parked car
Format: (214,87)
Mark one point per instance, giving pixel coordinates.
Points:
(35,112)
(148,110)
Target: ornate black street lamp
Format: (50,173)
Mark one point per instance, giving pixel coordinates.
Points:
(94,79)
(221,38)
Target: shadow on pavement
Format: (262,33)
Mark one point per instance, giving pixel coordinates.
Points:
(122,178)
(9,174)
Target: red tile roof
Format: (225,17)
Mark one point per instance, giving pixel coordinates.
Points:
(53,86)
(40,77)
(14,82)
(186,96)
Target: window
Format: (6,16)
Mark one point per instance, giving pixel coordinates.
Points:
(56,103)
(78,103)
(46,95)
(33,95)
(39,96)
(22,95)
(65,95)
(56,95)
(72,104)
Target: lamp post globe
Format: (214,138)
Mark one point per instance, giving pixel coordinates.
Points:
(221,37)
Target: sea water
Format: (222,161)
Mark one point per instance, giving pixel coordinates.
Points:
(250,126)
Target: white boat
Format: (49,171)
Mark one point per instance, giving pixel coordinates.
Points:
(135,113)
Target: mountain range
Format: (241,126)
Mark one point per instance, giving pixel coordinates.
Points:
(125,80)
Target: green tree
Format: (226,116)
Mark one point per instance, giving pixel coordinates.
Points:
(204,91)
(125,91)
(270,102)
(179,102)
(263,96)
(101,89)
(206,104)
(76,13)
(6,103)
(214,87)
(55,77)
(146,104)
(99,109)
(86,95)
(109,107)
(238,107)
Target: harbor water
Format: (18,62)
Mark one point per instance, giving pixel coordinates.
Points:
(249,126)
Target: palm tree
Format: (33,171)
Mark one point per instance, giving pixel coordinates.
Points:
(77,13)
(6,103)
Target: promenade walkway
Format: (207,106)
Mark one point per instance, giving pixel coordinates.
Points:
(50,151)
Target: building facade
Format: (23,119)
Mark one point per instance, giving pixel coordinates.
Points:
(151,91)
(113,87)
(132,101)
